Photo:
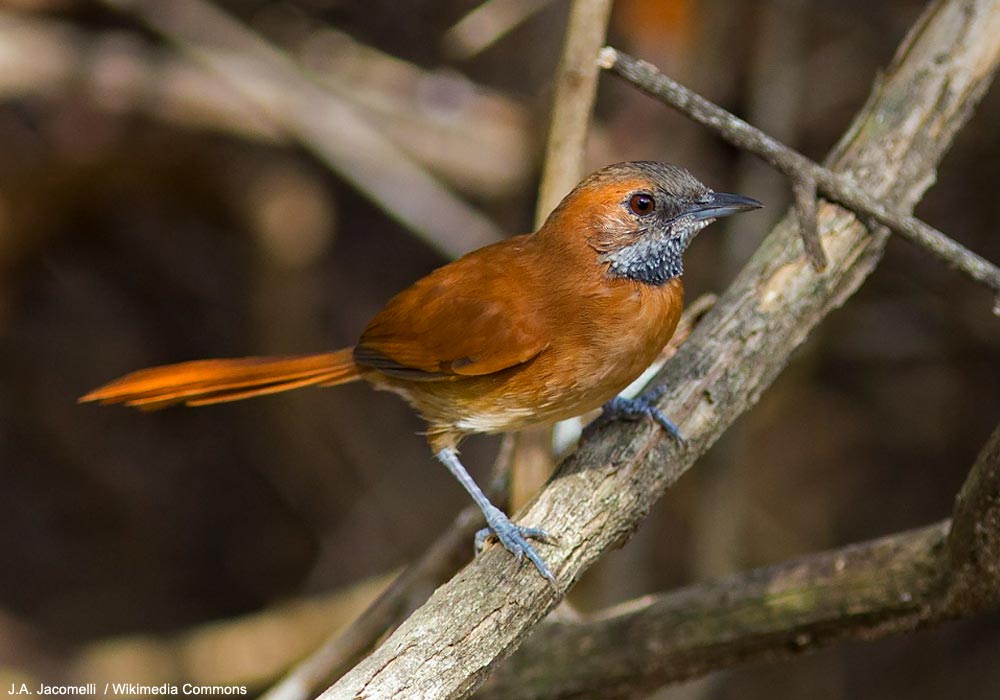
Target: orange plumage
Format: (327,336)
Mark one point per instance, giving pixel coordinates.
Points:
(537,328)
(203,382)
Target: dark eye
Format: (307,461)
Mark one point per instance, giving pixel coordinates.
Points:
(642,204)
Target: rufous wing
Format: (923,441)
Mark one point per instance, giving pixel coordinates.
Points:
(469,318)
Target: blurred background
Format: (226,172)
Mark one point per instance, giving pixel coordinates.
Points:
(162,202)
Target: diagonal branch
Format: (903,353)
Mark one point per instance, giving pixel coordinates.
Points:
(599,495)
(863,591)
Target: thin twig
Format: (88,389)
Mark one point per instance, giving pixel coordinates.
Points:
(797,167)
(576,89)
(804,190)
(486,24)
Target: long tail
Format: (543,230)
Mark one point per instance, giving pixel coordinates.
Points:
(203,382)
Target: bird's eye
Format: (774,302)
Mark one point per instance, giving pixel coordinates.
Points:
(642,204)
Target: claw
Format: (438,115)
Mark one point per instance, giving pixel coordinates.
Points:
(641,406)
(515,538)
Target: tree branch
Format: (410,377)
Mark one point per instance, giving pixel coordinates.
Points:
(576,89)
(487,23)
(807,177)
(767,613)
(863,591)
(600,494)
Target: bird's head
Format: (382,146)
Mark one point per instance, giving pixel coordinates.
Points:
(640,217)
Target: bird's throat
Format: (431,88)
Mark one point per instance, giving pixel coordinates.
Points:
(650,261)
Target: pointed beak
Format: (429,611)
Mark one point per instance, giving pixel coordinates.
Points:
(719,204)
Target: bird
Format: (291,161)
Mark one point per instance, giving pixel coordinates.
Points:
(533,329)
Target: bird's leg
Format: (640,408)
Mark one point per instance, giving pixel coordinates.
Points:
(513,537)
(634,409)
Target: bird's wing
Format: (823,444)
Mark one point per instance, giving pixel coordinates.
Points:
(475,316)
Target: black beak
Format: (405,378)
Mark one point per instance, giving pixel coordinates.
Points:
(716,205)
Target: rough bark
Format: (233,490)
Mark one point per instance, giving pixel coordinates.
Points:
(863,591)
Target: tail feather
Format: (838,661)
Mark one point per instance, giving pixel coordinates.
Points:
(204,382)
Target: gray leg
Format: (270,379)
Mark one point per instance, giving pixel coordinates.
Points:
(513,537)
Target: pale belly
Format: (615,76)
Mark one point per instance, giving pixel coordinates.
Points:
(556,393)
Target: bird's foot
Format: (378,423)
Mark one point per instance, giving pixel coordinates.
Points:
(515,539)
(641,406)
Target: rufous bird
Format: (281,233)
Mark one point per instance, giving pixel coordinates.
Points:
(534,329)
